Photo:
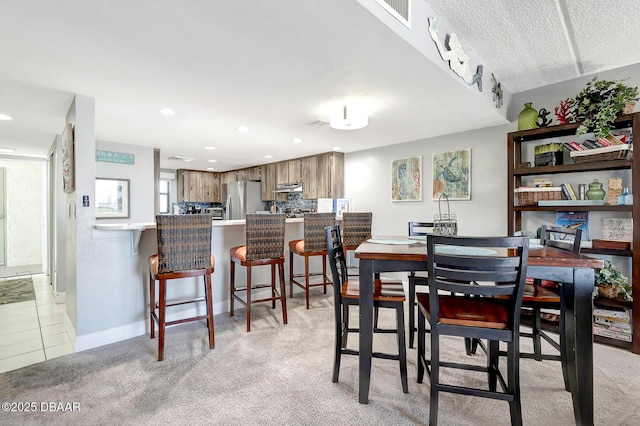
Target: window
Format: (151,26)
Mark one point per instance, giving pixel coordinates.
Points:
(164,196)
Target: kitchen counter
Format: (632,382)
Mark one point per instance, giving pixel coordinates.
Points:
(152,225)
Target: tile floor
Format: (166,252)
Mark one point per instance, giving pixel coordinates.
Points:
(32,331)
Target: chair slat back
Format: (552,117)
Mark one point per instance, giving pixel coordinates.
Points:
(562,238)
(420,228)
(468,267)
(337,262)
(356,227)
(315,238)
(184,242)
(265,236)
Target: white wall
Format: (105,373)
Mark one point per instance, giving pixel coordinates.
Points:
(25,210)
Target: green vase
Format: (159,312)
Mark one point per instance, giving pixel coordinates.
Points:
(595,191)
(528,118)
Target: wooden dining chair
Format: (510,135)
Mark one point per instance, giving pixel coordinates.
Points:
(313,244)
(455,266)
(346,292)
(416,229)
(184,250)
(264,246)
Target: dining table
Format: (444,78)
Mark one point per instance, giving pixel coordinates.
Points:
(574,271)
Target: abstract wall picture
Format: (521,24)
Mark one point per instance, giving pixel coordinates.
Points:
(452,175)
(68,166)
(406,179)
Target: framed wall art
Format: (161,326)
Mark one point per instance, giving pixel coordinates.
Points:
(452,175)
(406,179)
(68,162)
(112,198)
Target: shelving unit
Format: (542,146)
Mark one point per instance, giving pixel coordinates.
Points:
(515,141)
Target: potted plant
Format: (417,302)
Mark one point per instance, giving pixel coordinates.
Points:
(599,103)
(610,282)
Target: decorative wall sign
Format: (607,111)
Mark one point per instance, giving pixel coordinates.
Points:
(458,60)
(452,175)
(68,164)
(114,157)
(406,179)
(112,198)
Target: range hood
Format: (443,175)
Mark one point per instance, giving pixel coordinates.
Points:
(288,187)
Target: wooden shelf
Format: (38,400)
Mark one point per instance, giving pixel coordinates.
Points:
(612,342)
(602,208)
(617,303)
(572,168)
(607,252)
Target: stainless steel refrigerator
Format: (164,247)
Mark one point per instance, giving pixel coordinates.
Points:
(241,198)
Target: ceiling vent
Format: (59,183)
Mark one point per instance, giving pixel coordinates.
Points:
(318,123)
(399,9)
(181,158)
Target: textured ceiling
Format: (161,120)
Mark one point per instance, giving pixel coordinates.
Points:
(276,66)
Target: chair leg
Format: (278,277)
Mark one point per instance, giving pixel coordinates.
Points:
(493,360)
(375,318)
(435,377)
(537,326)
(412,309)
(152,306)
(162,290)
(209,299)
(402,347)
(325,279)
(563,347)
(290,274)
(337,349)
(513,382)
(283,293)
(345,325)
(273,286)
(248,299)
(306,279)
(421,345)
(470,345)
(232,288)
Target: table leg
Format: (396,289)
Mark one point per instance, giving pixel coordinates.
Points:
(582,388)
(366,328)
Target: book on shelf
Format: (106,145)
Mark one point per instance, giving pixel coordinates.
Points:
(617,315)
(604,142)
(569,147)
(576,146)
(565,191)
(572,192)
(591,144)
(603,331)
(614,140)
(575,220)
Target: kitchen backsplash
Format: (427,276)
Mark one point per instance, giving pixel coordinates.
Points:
(295,201)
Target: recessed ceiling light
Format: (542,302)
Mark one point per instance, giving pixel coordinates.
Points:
(168,112)
(336,148)
(210,168)
(7,150)
(297,140)
(242,129)
(213,161)
(211,148)
(5,117)
(268,156)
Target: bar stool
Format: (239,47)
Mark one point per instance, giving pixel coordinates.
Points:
(313,244)
(264,246)
(184,250)
(356,228)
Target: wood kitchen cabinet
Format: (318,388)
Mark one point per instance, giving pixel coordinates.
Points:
(268,180)
(227,177)
(198,186)
(289,171)
(250,173)
(326,178)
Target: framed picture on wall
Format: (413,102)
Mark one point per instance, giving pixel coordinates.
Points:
(406,179)
(452,175)
(112,198)
(68,162)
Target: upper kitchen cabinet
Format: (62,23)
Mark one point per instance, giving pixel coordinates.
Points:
(197,186)
(268,180)
(227,177)
(251,173)
(289,171)
(323,176)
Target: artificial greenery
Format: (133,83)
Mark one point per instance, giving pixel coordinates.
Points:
(549,147)
(599,103)
(609,275)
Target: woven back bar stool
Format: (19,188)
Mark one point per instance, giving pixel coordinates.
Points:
(264,246)
(313,244)
(356,228)
(184,250)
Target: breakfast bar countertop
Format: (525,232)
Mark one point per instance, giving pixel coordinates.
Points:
(151,225)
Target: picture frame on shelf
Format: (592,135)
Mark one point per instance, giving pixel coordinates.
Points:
(112,198)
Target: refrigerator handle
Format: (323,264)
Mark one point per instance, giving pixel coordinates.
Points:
(229,209)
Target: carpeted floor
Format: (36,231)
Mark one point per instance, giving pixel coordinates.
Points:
(16,290)
(281,375)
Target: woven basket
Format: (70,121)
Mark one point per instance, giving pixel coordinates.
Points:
(531,196)
(624,153)
(608,291)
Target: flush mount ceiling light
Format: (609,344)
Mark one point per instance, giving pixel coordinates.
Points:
(5,117)
(349,117)
(181,158)
(167,112)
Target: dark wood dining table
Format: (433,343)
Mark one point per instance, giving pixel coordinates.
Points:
(574,271)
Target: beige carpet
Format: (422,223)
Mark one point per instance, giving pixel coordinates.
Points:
(281,375)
